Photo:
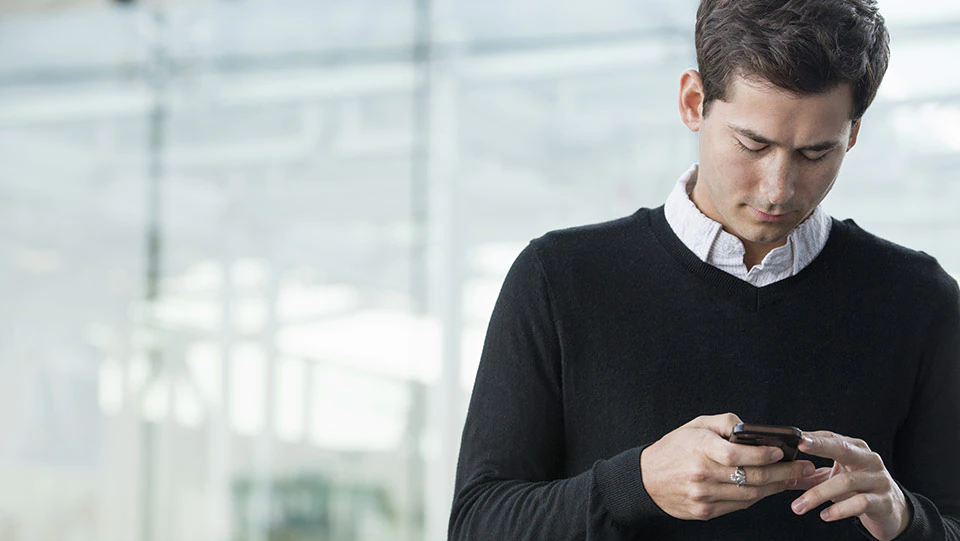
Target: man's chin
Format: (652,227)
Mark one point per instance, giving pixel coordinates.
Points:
(774,235)
(771,242)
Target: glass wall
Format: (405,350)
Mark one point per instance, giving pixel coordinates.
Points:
(248,250)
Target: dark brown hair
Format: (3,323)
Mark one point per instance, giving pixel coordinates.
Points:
(801,46)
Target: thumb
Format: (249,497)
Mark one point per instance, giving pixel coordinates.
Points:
(722,424)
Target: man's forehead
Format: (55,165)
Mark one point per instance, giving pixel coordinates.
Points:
(754,88)
(773,113)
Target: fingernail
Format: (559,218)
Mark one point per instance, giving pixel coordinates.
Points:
(798,506)
(777,454)
(825,514)
(808,440)
(808,470)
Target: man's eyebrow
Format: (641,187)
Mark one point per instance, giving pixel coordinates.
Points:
(817,147)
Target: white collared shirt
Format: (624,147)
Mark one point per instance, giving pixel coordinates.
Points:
(714,246)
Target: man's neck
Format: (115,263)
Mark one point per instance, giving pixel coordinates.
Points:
(755,252)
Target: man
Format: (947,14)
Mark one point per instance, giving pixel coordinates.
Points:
(612,346)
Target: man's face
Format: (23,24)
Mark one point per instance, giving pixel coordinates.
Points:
(767,158)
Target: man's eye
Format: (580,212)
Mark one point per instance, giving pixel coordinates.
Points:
(815,158)
(744,148)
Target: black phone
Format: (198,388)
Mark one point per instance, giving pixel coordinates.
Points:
(787,438)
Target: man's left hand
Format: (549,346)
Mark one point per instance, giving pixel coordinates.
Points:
(858,483)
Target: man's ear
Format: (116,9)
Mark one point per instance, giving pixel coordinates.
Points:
(691,99)
(853,135)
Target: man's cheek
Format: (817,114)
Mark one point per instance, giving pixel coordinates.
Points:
(742,174)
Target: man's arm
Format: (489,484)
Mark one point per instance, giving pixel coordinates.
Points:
(923,502)
(928,443)
(510,481)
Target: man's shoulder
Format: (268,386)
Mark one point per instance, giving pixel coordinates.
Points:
(884,257)
(611,231)
(591,241)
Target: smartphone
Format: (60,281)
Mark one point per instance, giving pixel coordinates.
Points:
(787,438)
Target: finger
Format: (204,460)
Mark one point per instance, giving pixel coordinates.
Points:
(727,492)
(728,454)
(851,507)
(728,502)
(772,474)
(707,511)
(847,451)
(843,497)
(856,482)
(721,424)
(806,483)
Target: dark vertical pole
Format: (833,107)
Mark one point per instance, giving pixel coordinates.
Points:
(419,218)
(156,77)
(420,155)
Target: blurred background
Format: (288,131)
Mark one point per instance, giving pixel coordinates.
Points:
(248,248)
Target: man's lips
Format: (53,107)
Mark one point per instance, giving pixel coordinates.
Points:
(770,217)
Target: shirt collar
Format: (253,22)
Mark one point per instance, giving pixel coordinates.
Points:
(707,239)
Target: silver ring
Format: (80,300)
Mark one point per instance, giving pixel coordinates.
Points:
(739,477)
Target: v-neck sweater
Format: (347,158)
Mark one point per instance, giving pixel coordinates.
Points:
(606,337)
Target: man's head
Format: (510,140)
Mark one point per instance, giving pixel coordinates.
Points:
(777,101)
(801,46)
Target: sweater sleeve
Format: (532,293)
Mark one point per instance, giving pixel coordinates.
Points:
(926,452)
(509,481)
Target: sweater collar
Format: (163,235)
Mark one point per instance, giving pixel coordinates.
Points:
(718,248)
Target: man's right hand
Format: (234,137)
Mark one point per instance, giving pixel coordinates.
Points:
(688,471)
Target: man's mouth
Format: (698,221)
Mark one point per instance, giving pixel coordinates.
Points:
(763,216)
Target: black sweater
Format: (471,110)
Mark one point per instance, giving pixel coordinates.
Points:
(606,337)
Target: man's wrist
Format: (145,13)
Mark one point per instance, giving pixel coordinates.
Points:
(906,513)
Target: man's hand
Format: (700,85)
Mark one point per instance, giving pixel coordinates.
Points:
(688,471)
(858,482)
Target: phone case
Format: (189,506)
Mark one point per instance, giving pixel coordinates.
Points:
(787,438)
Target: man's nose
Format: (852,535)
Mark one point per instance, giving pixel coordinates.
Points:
(778,183)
